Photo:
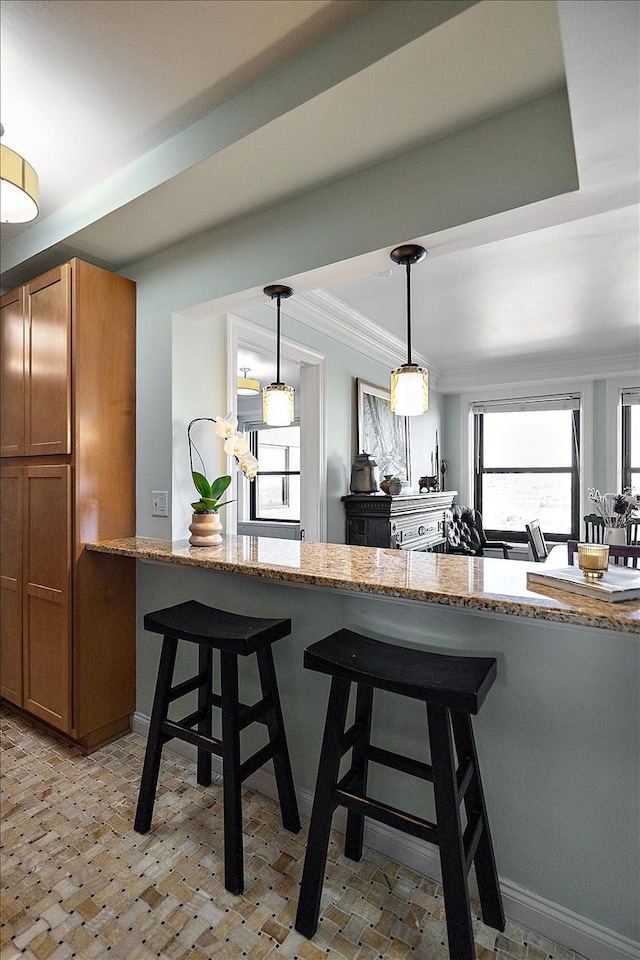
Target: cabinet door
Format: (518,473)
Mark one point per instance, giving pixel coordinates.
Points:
(47,590)
(11,481)
(12,374)
(48,363)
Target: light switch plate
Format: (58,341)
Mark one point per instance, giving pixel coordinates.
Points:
(159,503)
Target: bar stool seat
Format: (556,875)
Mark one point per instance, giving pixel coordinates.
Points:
(452,688)
(234,635)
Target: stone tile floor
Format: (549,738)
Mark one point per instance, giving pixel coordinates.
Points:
(76,881)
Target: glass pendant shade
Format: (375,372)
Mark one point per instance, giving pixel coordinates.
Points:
(18,188)
(277,405)
(409,390)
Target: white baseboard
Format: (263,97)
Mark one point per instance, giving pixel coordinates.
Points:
(542,916)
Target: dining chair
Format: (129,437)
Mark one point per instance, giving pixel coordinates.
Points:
(465,533)
(593,528)
(633,533)
(537,542)
(620,555)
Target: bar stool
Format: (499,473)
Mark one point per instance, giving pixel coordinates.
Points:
(452,688)
(233,635)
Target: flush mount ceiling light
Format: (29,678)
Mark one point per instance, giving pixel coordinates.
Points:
(18,187)
(247,386)
(277,398)
(409,383)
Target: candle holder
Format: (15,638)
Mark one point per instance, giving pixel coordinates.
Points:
(593,559)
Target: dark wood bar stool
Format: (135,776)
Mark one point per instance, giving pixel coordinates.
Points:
(234,636)
(452,688)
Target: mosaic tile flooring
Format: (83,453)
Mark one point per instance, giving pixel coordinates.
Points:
(76,880)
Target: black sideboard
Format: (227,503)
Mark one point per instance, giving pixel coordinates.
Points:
(414,521)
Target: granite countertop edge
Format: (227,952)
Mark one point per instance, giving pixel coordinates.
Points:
(552,605)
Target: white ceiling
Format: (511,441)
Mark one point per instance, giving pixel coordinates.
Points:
(90,87)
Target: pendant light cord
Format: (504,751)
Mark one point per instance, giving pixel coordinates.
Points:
(408,312)
(278,342)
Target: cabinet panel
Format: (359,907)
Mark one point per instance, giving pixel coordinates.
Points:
(48,364)
(11,480)
(47,589)
(12,374)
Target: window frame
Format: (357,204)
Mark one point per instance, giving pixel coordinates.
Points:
(627,470)
(479,470)
(252,432)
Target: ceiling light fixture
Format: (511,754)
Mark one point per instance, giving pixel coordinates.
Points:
(410,382)
(18,187)
(277,398)
(247,386)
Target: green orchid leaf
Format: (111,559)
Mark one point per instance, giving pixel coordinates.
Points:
(224,503)
(202,485)
(219,486)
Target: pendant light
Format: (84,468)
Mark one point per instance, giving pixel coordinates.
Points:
(18,187)
(409,383)
(247,386)
(277,398)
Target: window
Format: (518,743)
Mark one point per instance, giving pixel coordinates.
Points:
(526,460)
(275,493)
(631,440)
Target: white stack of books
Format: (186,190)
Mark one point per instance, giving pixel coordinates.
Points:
(617,583)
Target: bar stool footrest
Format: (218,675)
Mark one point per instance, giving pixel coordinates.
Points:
(384,813)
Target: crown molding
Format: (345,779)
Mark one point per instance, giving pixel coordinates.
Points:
(509,373)
(331,317)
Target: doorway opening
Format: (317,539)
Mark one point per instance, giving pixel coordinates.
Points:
(294,471)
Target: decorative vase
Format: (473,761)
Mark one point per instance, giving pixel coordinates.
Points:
(395,488)
(615,536)
(205,530)
(384,484)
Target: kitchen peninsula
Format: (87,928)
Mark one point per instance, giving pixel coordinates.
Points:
(477,583)
(558,737)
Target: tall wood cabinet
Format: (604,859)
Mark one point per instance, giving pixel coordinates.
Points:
(67,441)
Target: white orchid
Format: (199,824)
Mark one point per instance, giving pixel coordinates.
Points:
(234,445)
(225,426)
(249,465)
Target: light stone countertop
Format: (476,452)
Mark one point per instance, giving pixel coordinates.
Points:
(485,584)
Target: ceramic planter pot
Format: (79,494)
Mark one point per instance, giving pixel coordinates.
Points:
(205,530)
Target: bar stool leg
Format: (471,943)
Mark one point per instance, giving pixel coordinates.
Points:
(231,786)
(205,665)
(277,736)
(354,834)
(454,878)
(155,739)
(484,860)
(323,807)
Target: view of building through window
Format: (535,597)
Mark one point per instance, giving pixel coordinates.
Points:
(526,469)
(275,494)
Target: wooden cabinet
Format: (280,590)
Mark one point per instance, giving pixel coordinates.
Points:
(415,521)
(36,367)
(12,332)
(67,650)
(11,490)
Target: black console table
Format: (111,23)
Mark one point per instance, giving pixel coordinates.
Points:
(414,521)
